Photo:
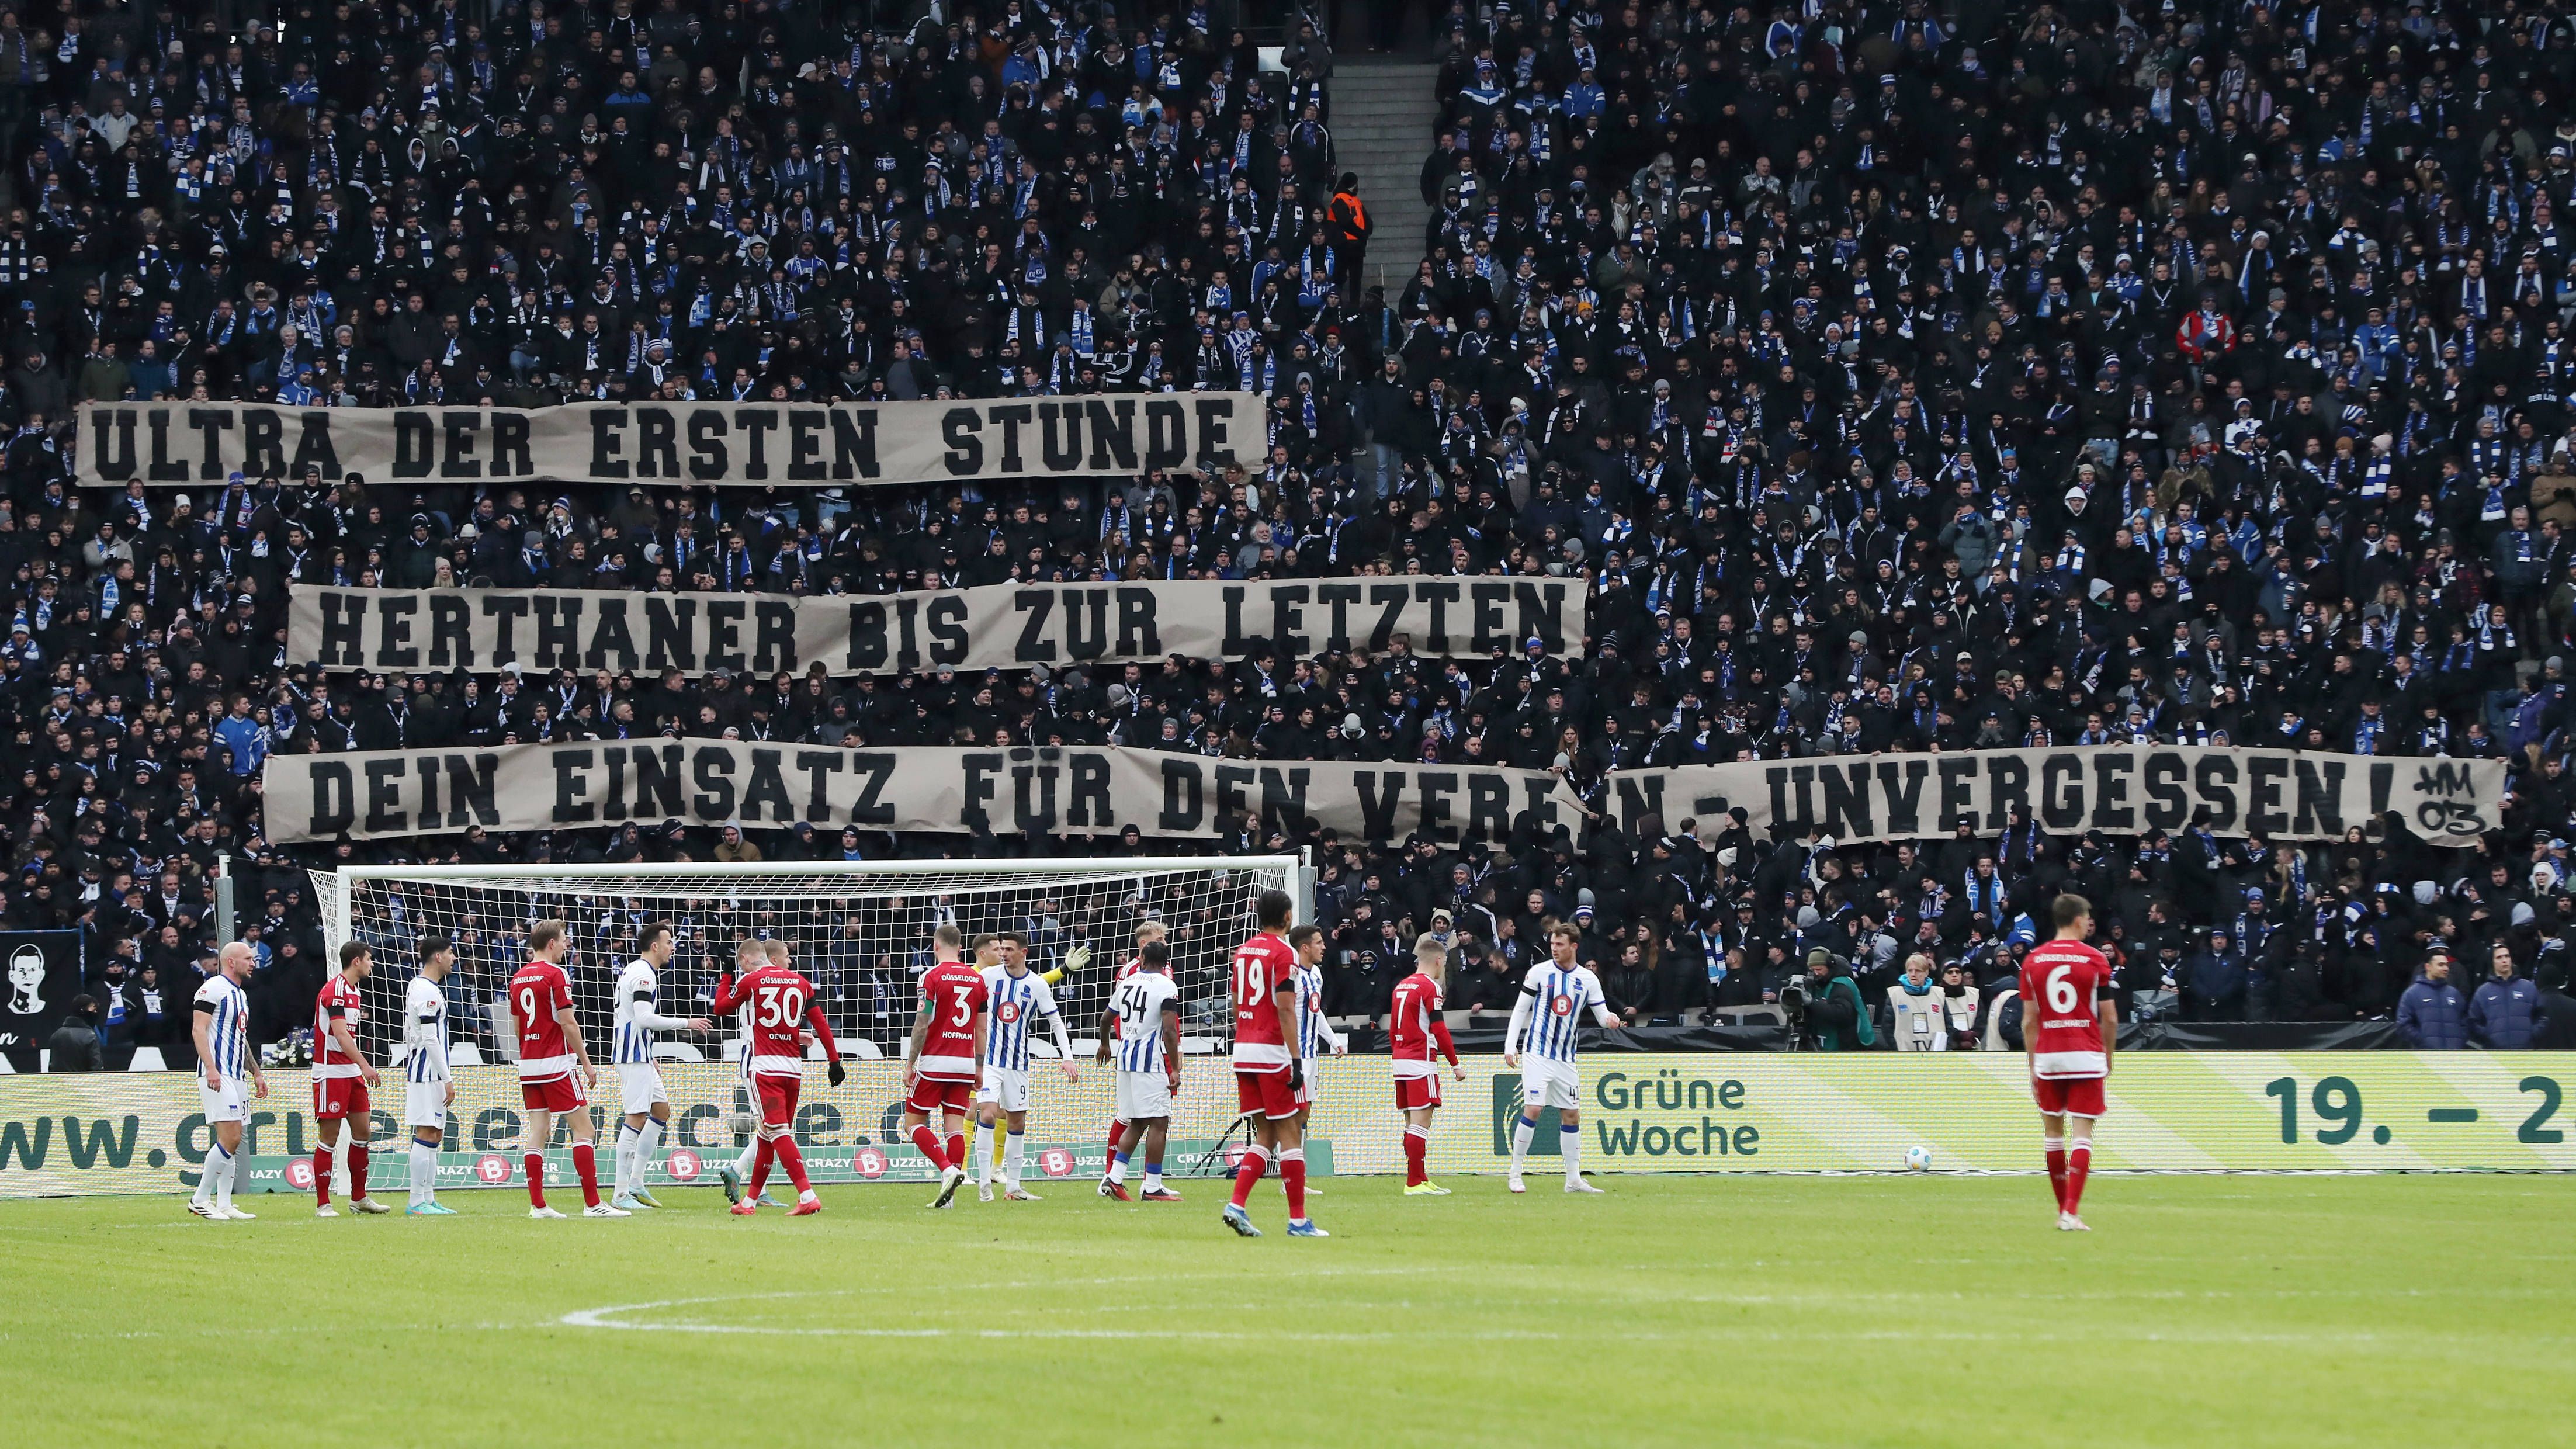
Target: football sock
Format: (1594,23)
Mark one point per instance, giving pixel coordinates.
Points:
(625,1156)
(1153,1177)
(751,1149)
(1523,1131)
(976,1154)
(357,1170)
(322,1176)
(1118,1167)
(1569,1140)
(648,1150)
(1255,1158)
(793,1159)
(1011,1142)
(585,1164)
(927,1142)
(957,1148)
(226,1167)
(1417,1145)
(2079,1161)
(424,1172)
(206,1172)
(2056,1168)
(762,1152)
(1117,1134)
(536,1164)
(1292,1176)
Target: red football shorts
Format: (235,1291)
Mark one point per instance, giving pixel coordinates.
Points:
(777,1098)
(1266,1093)
(1413,1093)
(561,1094)
(2073,1096)
(933,1095)
(340,1097)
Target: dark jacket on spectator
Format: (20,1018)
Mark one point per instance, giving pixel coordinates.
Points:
(2433,1017)
(2505,1015)
(76,1048)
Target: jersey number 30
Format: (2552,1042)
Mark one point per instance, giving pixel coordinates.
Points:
(778,1005)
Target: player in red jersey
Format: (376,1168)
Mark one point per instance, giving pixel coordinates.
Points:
(2069,1027)
(780,1004)
(1413,1028)
(1147,933)
(555,1072)
(1267,1072)
(942,1058)
(341,1077)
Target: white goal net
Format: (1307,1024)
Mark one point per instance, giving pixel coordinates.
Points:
(861,931)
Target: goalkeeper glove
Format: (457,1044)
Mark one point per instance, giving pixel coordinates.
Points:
(1296,1075)
(1077,958)
(837,1072)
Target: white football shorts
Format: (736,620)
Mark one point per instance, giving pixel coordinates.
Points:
(227,1103)
(639,1086)
(1005,1088)
(425,1104)
(1546,1083)
(1143,1096)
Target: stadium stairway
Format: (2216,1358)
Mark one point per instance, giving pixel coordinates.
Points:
(1384,114)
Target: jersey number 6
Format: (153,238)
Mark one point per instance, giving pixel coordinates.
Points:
(2061,992)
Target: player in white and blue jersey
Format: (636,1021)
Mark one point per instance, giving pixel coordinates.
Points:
(1315,1036)
(1144,1020)
(1015,995)
(228,1076)
(1554,997)
(429,1082)
(646,1104)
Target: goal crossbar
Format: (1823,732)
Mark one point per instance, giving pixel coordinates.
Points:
(803,877)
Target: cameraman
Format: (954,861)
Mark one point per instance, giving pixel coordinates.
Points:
(1837,1020)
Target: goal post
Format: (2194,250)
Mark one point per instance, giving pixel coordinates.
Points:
(861,930)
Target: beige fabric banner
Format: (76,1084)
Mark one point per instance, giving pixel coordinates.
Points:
(2276,794)
(182,444)
(1006,625)
(2116,789)
(1067,790)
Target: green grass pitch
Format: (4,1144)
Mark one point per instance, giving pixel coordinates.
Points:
(2228,1311)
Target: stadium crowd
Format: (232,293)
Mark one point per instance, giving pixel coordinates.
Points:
(1896,377)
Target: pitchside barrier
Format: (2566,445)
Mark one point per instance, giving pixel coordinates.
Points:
(1642,1112)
